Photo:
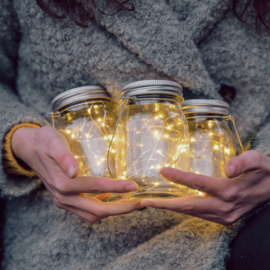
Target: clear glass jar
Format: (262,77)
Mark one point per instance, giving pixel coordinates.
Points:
(151,133)
(213,141)
(84,116)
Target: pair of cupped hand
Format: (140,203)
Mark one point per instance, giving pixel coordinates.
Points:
(246,187)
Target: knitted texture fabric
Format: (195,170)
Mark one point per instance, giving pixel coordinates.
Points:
(10,162)
(234,55)
(197,43)
(144,239)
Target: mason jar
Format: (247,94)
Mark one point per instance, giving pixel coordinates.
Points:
(213,137)
(84,116)
(151,133)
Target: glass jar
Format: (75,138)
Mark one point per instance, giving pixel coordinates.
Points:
(213,138)
(151,133)
(84,116)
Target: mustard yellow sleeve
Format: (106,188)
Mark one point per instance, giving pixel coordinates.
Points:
(11,164)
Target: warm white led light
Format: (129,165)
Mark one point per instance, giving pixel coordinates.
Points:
(216,147)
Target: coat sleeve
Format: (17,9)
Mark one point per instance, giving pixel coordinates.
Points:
(155,35)
(261,142)
(13,111)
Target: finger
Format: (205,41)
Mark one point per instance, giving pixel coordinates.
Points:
(250,160)
(195,181)
(208,208)
(58,150)
(92,184)
(101,209)
(84,215)
(194,205)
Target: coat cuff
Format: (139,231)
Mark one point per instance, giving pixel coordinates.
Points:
(11,164)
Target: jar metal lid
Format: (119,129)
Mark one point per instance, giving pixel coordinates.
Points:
(205,106)
(79,94)
(149,87)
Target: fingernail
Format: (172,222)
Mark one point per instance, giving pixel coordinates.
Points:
(232,169)
(71,170)
(165,172)
(132,187)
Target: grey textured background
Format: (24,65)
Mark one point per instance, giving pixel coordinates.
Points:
(197,43)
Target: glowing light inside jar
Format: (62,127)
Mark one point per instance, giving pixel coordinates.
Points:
(151,139)
(211,147)
(88,131)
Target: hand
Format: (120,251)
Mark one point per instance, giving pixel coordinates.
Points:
(246,187)
(47,153)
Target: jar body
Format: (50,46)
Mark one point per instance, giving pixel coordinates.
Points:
(211,145)
(151,134)
(88,128)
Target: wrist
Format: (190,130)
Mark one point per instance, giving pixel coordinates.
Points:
(22,142)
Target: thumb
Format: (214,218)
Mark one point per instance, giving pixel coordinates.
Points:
(59,151)
(248,161)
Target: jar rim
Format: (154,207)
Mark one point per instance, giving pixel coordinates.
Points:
(79,94)
(211,106)
(155,97)
(150,87)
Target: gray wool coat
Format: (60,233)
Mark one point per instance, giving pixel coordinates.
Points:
(199,44)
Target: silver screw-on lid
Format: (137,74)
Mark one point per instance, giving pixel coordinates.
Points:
(205,106)
(148,87)
(78,94)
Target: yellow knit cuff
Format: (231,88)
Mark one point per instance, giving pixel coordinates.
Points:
(11,164)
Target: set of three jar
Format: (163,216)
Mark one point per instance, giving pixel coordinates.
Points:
(155,129)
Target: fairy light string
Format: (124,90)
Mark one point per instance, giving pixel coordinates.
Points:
(211,145)
(146,139)
(88,131)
